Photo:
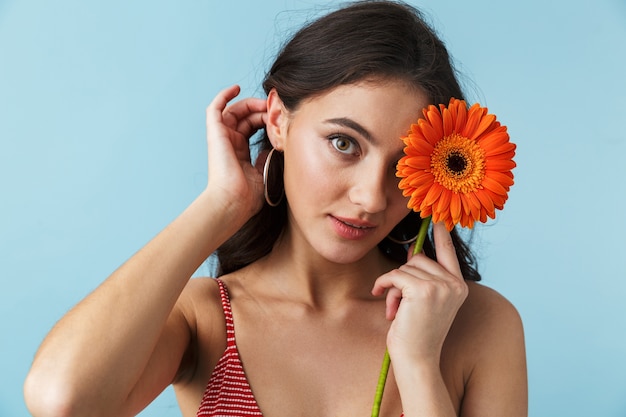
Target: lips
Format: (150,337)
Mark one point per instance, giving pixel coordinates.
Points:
(359,224)
(352,229)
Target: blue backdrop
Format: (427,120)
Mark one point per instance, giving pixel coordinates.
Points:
(102,144)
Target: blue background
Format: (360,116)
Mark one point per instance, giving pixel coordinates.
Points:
(102,144)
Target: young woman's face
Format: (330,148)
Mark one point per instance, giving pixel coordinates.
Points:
(341,151)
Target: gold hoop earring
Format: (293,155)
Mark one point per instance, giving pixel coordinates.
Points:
(266,174)
(402,242)
(405,227)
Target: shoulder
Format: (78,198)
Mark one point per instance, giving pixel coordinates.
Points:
(200,306)
(494,312)
(487,340)
(488,321)
(487,332)
(488,305)
(200,297)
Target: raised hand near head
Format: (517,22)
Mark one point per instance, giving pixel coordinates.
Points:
(233,179)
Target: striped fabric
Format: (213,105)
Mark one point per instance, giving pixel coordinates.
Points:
(228,393)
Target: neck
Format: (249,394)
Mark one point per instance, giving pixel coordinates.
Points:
(302,274)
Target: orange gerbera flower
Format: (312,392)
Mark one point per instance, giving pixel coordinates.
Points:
(457,164)
(456,169)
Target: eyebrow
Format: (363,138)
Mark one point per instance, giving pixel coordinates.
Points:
(351,124)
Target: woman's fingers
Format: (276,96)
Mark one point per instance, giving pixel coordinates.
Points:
(242,109)
(252,122)
(423,297)
(220,101)
(446,256)
(421,273)
(244,117)
(231,173)
(396,283)
(392,302)
(446,253)
(230,126)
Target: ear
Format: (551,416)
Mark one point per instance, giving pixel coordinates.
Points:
(277,120)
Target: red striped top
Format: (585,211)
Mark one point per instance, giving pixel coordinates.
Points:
(228,393)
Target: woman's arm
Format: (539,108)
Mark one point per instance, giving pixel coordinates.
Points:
(488,333)
(423,299)
(497,384)
(431,306)
(118,348)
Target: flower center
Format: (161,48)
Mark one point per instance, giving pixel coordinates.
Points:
(458,163)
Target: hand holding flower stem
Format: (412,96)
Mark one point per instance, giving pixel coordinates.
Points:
(457,170)
(382,378)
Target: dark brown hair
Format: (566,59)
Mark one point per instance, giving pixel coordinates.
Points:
(362,41)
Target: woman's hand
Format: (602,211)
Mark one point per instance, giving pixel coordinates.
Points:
(422,300)
(233,180)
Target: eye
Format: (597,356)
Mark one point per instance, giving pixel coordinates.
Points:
(344,144)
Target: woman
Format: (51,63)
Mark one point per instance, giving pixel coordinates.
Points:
(312,276)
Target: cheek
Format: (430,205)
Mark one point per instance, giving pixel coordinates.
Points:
(397,202)
(306,176)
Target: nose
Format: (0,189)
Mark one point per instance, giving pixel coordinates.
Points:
(369,188)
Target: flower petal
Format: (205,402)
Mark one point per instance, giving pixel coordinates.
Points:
(427,211)
(418,162)
(448,124)
(433,194)
(492,164)
(455,207)
(443,204)
(485,202)
(502,149)
(501,178)
(461,116)
(467,205)
(430,133)
(493,185)
(474,115)
(419,146)
(498,199)
(430,172)
(494,139)
(485,122)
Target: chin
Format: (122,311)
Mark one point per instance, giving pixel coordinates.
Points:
(345,254)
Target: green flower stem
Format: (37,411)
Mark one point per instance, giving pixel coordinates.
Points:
(380,387)
(384,370)
(421,235)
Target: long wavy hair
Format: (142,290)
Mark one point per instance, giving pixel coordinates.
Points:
(364,40)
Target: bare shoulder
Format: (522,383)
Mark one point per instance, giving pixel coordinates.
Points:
(200,299)
(200,305)
(487,321)
(488,306)
(486,348)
